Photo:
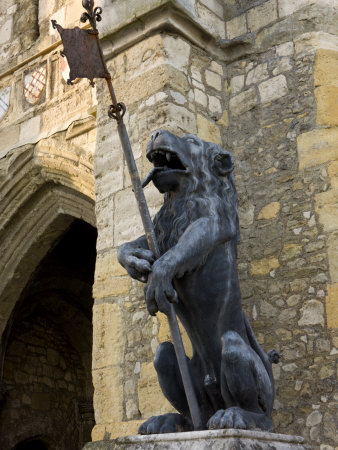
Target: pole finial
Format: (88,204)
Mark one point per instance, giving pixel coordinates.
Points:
(92,14)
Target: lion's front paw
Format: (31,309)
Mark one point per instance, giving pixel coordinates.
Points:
(239,418)
(160,291)
(167,423)
(136,261)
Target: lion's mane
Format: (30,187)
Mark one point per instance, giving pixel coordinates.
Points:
(208,194)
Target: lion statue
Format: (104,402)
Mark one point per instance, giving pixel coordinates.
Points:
(198,230)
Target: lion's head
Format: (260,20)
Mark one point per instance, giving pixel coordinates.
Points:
(196,178)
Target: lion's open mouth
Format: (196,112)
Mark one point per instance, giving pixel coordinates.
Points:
(166,159)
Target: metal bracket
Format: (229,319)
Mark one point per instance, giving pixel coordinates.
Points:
(117,112)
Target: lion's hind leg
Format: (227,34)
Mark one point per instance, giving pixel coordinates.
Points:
(171,384)
(246,387)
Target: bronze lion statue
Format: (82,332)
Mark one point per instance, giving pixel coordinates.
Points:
(198,230)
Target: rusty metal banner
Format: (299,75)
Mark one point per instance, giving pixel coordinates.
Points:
(81,48)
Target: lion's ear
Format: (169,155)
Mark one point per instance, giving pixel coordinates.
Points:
(224,163)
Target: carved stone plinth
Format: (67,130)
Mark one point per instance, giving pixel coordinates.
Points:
(204,440)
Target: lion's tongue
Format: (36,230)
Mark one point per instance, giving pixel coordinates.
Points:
(150,175)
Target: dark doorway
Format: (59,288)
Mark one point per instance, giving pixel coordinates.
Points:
(33,444)
(47,368)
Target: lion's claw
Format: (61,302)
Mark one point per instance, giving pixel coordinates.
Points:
(236,417)
(167,423)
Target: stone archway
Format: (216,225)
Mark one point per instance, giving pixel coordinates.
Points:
(46,199)
(42,188)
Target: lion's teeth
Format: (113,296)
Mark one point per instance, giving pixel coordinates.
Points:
(168,156)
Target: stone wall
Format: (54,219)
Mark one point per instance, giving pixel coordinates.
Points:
(44,380)
(283,259)
(258,78)
(261,102)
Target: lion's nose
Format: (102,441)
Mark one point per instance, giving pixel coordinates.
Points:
(156,134)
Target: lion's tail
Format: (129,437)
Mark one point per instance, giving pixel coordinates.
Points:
(260,352)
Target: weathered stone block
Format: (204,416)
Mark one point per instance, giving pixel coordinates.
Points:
(262,15)
(200,97)
(317,147)
(314,419)
(178,97)
(112,431)
(332,306)
(273,89)
(327,209)
(215,6)
(215,67)
(214,104)
(286,49)
(312,313)
(213,79)
(150,397)
(326,67)
(258,74)
(269,211)
(164,334)
(332,247)
(108,394)
(283,65)
(211,21)
(208,131)
(290,251)
(109,338)
(236,84)
(264,266)
(126,212)
(246,213)
(274,34)
(333,173)
(236,27)
(177,52)
(327,100)
(243,102)
(106,284)
(104,220)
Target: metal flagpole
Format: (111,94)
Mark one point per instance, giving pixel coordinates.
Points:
(85,58)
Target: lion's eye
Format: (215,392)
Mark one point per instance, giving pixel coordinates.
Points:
(194,141)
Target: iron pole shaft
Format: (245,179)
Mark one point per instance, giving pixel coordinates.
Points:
(153,246)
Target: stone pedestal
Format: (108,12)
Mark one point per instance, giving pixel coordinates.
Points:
(204,440)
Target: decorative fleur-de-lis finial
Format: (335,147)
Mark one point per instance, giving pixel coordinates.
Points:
(92,14)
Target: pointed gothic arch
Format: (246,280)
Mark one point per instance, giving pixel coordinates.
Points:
(45,193)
